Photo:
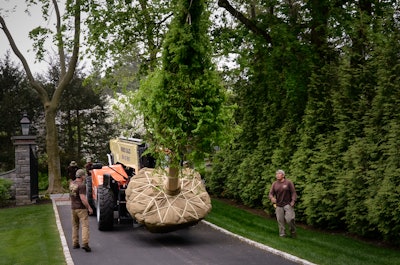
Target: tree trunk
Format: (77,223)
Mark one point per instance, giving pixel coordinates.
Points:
(79,132)
(53,153)
(50,107)
(172,186)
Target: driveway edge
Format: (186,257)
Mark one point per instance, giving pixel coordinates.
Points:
(67,254)
(261,246)
(62,199)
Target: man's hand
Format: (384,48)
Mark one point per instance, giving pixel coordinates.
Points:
(90,210)
(292,204)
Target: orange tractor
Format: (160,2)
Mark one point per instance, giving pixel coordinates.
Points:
(106,185)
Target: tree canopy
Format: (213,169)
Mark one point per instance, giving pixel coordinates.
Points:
(316,87)
(183,102)
(316,84)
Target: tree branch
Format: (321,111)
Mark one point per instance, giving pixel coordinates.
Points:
(37,86)
(75,53)
(68,75)
(247,22)
(60,43)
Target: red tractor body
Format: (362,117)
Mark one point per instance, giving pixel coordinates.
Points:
(106,185)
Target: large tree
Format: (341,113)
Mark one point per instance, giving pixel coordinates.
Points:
(183,102)
(123,30)
(64,47)
(125,39)
(83,120)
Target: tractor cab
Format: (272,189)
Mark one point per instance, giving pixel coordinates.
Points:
(107,183)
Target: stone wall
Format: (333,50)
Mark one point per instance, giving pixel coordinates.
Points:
(20,176)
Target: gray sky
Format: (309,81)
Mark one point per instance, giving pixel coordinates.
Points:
(19,25)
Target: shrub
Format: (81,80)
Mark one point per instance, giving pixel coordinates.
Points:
(43,181)
(5,192)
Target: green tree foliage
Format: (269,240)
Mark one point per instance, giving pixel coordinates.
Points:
(117,28)
(85,123)
(317,90)
(125,39)
(5,191)
(271,93)
(85,126)
(382,131)
(66,39)
(183,102)
(15,99)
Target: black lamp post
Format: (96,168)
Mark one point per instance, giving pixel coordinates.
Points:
(25,124)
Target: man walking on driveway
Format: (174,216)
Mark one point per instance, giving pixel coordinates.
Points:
(283,195)
(80,208)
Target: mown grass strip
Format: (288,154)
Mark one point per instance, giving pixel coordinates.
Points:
(314,246)
(29,235)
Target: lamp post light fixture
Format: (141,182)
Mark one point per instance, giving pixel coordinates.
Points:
(25,124)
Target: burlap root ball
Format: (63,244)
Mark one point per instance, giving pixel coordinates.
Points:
(150,205)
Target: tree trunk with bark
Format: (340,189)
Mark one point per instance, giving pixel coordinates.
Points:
(51,103)
(53,153)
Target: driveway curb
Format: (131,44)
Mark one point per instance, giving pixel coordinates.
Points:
(261,246)
(63,199)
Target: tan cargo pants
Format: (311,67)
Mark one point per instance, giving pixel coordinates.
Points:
(80,216)
(285,215)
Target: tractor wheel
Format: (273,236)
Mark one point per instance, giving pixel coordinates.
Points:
(105,208)
(89,192)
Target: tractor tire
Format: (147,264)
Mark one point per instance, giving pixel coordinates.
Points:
(89,192)
(105,208)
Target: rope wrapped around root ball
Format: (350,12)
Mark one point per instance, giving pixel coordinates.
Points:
(151,204)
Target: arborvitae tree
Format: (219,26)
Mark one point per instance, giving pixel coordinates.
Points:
(271,95)
(383,134)
(348,135)
(357,136)
(356,185)
(308,163)
(384,207)
(184,102)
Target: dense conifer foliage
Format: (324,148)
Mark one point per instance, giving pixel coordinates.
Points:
(319,98)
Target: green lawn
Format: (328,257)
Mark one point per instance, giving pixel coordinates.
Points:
(317,247)
(29,235)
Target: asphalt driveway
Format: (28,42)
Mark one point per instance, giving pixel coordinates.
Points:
(200,244)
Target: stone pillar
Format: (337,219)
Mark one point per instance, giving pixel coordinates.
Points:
(22,180)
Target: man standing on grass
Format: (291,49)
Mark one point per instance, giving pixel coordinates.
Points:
(80,208)
(283,195)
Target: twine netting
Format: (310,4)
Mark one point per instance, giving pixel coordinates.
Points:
(149,204)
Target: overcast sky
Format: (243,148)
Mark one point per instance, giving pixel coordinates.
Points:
(19,24)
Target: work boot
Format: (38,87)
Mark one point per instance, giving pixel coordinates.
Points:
(87,248)
(76,246)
